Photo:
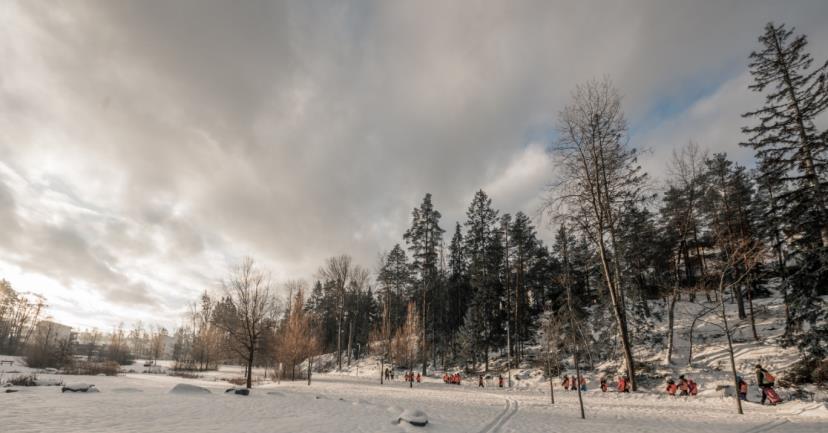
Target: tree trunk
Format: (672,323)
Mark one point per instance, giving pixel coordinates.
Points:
(310,368)
(350,338)
(549,374)
(740,301)
(618,312)
(339,341)
(250,369)
(578,383)
(751,285)
(730,352)
(670,328)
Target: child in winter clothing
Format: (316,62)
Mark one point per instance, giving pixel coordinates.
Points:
(683,386)
(743,388)
(603,384)
(623,384)
(671,387)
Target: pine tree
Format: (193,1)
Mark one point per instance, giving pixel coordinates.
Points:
(484,250)
(523,243)
(792,156)
(424,238)
(786,141)
(396,283)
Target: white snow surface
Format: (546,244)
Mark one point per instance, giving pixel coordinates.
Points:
(338,403)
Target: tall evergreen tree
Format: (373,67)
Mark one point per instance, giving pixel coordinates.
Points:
(424,238)
(396,289)
(458,290)
(793,156)
(786,140)
(484,252)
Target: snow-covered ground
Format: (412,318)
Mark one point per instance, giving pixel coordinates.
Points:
(337,403)
(354,401)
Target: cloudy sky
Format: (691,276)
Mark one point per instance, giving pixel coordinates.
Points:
(145,146)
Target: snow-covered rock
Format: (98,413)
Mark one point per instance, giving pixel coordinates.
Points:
(184,388)
(414,417)
(79,387)
(237,391)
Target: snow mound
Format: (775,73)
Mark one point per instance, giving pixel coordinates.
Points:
(414,417)
(183,388)
(79,387)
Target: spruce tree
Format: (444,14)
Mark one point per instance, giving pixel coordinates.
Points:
(484,250)
(787,142)
(424,238)
(792,156)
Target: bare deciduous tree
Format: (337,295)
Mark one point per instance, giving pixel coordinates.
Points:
(247,311)
(599,176)
(337,270)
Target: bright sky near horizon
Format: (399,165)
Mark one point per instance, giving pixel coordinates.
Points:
(145,146)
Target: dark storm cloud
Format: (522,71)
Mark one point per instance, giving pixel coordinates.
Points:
(185,134)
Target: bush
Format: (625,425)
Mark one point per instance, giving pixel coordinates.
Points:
(24,380)
(820,373)
(806,371)
(240,381)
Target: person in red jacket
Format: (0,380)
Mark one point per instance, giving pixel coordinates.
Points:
(743,388)
(622,384)
(419,378)
(683,386)
(671,387)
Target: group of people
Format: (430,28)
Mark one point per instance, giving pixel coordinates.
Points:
(684,387)
(481,383)
(765,381)
(411,377)
(453,379)
(571,383)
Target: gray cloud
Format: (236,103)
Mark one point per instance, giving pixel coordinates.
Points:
(170,138)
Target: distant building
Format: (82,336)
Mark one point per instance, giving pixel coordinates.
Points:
(167,346)
(50,331)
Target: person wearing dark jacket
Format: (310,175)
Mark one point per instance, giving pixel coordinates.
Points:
(764,380)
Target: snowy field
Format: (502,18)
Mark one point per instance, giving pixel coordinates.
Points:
(335,403)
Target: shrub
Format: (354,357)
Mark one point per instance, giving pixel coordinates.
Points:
(24,380)
(239,381)
(820,373)
(806,371)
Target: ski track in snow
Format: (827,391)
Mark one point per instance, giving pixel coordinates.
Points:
(502,418)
